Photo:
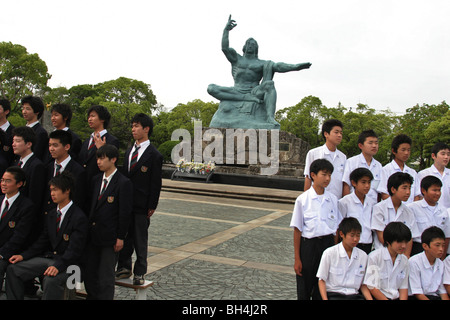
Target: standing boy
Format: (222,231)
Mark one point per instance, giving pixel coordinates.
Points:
(98,120)
(315,220)
(6,151)
(332,133)
(59,246)
(429,211)
(32,111)
(143,166)
(440,153)
(17,217)
(401,150)
(426,269)
(359,205)
(368,143)
(393,209)
(342,267)
(387,268)
(61,117)
(109,220)
(59,148)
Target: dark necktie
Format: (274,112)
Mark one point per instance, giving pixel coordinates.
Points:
(58,219)
(105,182)
(58,169)
(92,144)
(134,156)
(20,163)
(5,210)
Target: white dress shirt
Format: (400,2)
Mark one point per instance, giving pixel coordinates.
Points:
(428,216)
(425,278)
(391,168)
(445,178)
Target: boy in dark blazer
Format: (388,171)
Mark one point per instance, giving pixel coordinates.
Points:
(109,220)
(32,111)
(16,217)
(143,166)
(61,117)
(59,148)
(60,245)
(6,151)
(98,120)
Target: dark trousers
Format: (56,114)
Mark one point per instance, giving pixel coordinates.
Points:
(310,254)
(416,248)
(366,247)
(17,274)
(99,274)
(136,240)
(340,296)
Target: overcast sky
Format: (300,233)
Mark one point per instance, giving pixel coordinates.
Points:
(386,53)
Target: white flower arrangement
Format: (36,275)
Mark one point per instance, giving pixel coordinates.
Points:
(195,167)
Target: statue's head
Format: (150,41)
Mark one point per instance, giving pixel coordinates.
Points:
(251,46)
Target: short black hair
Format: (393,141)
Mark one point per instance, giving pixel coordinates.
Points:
(400,139)
(349,224)
(65,137)
(429,181)
(64,181)
(36,104)
(103,114)
(432,233)
(6,106)
(360,173)
(65,110)
(109,151)
(396,231)
(144,120)
(26,133)
(330,124)
(366,134)
(397,179)
(438,146)
(18,173)
(320,164)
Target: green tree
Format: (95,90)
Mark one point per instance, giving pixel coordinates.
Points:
(21,73)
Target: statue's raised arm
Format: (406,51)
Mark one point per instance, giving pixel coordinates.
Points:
(230,53)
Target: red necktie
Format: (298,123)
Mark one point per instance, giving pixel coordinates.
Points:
(5,210)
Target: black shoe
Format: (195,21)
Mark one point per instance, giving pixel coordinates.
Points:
(138,280)
(123,273)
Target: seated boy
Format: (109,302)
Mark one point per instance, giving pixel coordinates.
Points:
(342,267)
(426,269)
(332,133)
(387,268)
(429,211)
(393,209)
(368,143)
(60,245)
(315,220)
(447,274)
(358,205)
(401,150)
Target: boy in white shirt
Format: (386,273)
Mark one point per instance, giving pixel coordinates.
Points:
(387,268)
(393,209)
(401,150)
(447,274)
(359,205)
(429,211)
(368,143)
(332,132)
(440,153)
(315,220)
(342,267)
(426,269)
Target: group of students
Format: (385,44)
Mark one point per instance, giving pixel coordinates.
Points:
(67,202)
(364,231)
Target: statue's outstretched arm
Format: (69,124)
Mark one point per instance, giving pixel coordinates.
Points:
(230,53)
(286,67)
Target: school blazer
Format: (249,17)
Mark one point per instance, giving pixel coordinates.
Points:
(6,150)
(75,147)
(40,147)
(146,177)
(16,225)
(66,246)
(78,194)
(35,183)
(88,159)
(109,217)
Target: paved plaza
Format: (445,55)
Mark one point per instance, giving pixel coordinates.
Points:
(219,247)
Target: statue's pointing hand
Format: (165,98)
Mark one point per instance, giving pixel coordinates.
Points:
(230,24)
